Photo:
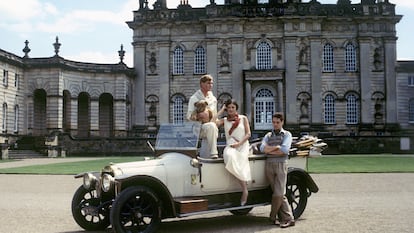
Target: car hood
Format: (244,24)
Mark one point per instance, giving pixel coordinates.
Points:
(153,167)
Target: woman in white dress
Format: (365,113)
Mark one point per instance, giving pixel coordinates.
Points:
(236,152)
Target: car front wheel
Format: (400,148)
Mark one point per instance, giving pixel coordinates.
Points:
(136,209)
(88,211)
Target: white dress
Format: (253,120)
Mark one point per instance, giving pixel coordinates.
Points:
(237,159)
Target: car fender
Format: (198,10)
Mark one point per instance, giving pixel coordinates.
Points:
(155,185)
(302,175)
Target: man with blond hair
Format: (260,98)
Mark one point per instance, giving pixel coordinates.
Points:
(209,131)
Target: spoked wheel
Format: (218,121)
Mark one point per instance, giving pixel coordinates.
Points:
(88,211)
(136,209)
(297,195)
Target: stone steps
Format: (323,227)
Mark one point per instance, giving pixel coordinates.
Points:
(23,154)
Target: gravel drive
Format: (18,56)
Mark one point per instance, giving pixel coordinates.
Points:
(370,202)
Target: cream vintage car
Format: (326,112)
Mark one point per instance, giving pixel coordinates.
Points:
(136,196)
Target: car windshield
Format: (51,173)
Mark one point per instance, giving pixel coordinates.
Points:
(178,136)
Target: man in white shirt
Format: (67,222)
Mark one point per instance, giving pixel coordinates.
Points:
(209,131)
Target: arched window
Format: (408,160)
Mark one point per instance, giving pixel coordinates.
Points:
(263,56)
(352,109)
(411,111)
(264,107)
(328,58)
(178,61)
(350,58)
(329,109)
(178,109)
(199,60)
(106,115)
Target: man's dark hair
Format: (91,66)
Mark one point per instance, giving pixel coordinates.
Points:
(279,115)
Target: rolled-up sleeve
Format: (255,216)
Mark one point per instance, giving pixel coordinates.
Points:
(264,142)
(286,143)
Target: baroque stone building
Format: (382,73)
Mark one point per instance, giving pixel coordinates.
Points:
(331,68)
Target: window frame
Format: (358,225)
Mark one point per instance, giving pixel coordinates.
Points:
(264,56)
(329,115)
(328,63)
(199,60)
(178,61)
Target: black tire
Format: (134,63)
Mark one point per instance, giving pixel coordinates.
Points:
(297,195)
(241,211)
(136,209)
(88,211)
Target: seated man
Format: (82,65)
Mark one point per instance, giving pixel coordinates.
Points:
(209,131)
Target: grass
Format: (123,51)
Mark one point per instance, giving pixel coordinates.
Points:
(69,168)
(361,164)
(324,164)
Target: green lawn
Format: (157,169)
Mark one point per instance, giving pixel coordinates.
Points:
(69,168)
(361,163)
(324,164)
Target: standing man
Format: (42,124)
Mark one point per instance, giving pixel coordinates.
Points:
(276,145)
(209,131)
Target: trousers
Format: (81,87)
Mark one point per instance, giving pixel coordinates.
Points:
(276,174)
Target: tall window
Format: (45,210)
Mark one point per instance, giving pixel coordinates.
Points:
(16,118)
(5,78)
(16,80)
(352,109)
(264,107)
(350,58)
(178,110)
(411,80)
(199,60)
(4,121)
(328,58)
(411,111)
(329,109)
(178,61)
(264,56)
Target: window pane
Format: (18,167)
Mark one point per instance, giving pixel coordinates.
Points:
(352,109)
(329,112)
(178,61)
(178,110)
(264,56)
(411,111)
(327,58)
(350,58)
(199,61)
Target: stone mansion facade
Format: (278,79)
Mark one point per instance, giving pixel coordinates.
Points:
(330,68)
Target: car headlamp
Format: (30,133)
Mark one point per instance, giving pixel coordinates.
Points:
(89,180)
(107,182)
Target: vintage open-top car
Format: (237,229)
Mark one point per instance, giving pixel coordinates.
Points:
(136,196)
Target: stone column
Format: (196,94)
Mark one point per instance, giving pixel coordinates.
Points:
(164,96)
(365,66)
(120,119)
(138,100)
(73,116)
(290,80)
(54,112)
(280,96)
(237,70)
(94,117)
(248,100)
(316,76)
(390,79)
(212,62)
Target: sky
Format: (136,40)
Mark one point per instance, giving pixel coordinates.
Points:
(93,30)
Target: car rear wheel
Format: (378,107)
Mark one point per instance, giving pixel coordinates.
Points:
(88,211)
(297,195)
(136,209)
